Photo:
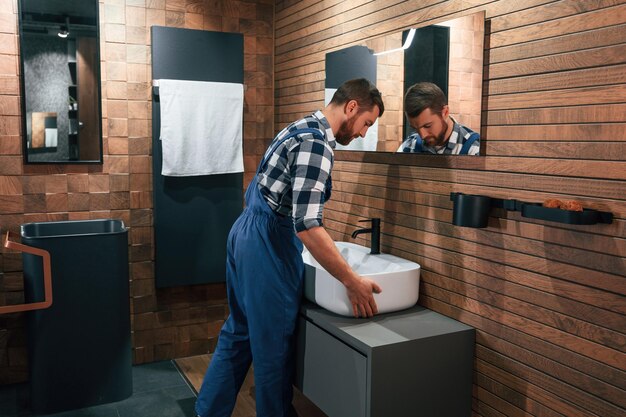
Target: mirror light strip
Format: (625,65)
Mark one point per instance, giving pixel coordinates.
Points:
(407,44)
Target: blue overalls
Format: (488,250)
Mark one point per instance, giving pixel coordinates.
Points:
(264,271)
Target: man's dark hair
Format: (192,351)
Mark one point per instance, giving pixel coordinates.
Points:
(422,96)
(364,92)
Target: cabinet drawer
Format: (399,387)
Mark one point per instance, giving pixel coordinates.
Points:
(330,373)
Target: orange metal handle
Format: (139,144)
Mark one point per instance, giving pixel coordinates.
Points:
(47,277)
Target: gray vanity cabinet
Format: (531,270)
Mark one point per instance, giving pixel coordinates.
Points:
(415,363)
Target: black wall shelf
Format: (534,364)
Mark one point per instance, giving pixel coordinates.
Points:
(473,210)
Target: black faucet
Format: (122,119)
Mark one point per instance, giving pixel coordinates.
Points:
(375,231)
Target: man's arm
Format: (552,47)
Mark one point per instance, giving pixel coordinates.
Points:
(360,290)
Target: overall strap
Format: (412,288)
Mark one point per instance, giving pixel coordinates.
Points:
(315,132)
(468,143)
(419,144)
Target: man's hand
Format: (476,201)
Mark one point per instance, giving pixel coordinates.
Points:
(360,290)
(361,294)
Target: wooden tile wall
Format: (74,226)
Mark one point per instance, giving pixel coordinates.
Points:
(547,299)
(166,323)
(390,79)
(465,74)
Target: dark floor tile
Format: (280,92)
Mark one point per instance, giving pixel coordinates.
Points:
(158,390)
(7,394)
(8,409)
(168,402)
(156,376)
(14,403)
(14,400)
(8,402)
(105,410)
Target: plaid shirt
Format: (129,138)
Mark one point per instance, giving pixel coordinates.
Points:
(293,181)
(453,147)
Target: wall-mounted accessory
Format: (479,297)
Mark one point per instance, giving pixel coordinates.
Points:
(46,271)
(470,210)
(570,212)
(473,210)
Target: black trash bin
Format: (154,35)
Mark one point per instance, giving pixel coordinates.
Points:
(80,347)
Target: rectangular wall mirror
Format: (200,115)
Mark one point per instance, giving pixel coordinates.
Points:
(448,54)
(60,66)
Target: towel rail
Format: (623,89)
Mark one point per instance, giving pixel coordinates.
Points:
(157,83)
(47,277)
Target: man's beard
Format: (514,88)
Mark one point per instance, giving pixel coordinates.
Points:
(344,135)
(441,138)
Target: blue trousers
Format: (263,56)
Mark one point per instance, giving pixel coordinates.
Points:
(264,284)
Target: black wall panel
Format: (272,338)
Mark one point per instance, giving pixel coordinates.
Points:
(193,215)
(349,63)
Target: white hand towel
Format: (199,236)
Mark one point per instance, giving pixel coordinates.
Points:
(201,127)
(50,137)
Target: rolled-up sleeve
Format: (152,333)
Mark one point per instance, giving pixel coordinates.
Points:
(310,165)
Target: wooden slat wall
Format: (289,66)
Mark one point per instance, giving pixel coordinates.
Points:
(547,299)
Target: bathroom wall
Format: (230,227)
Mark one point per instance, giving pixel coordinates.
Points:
(390,77)
(547,299)
(167,323)
(466,48)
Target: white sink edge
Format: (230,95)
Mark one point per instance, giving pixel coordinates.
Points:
(331,294)
(400,287)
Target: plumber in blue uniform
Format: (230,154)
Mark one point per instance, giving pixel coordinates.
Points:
(264,276)
(436,131)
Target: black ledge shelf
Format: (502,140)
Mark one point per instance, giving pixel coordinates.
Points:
(587,216)
(473,211)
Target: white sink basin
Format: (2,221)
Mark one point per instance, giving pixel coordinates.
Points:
(398,278)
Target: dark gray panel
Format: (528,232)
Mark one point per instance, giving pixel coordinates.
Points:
(434,380)
(329,364)
(367,334)
(349,63)
(419,362)
(193,215)
(196,55)
(427,59)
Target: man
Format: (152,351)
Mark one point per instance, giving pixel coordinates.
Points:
(436,132)
(264,263)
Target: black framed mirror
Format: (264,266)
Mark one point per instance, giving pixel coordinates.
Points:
(448,54)
(60,83)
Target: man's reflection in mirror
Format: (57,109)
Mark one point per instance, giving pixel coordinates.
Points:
(436,131)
